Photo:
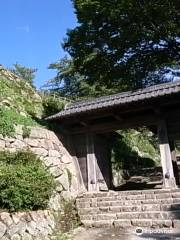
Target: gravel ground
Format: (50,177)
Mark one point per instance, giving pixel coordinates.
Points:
(116,234)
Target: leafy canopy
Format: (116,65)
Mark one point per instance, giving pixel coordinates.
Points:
(125,44)
(71,84)
(28,74)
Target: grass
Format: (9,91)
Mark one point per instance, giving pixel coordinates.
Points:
(20,96)
(63,236)
(9,118)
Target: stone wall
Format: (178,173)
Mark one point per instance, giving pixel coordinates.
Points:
(60,163)
(26,225)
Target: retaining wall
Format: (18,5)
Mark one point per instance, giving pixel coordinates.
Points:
(46,144)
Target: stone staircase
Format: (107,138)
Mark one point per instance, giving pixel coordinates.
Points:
(148,208)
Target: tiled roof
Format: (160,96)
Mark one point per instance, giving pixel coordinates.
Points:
(119,99)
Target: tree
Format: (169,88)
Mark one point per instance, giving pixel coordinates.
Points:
(66,82)
(69,83)
(28,74)
(125,44)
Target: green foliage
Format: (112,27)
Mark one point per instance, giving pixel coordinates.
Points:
(67,82)
(28,74)
(19,96)
(67,218)
(25,182)
(177,145)
(26,131)
(52,104)
(124,44)
(135,149)
(71,84)
(9,118)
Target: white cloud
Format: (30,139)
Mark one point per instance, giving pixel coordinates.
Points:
(24,28)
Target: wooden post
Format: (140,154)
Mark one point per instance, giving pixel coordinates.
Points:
(166,161)
(174,162)
(91,163)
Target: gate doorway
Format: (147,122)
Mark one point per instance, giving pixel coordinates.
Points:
(90,127)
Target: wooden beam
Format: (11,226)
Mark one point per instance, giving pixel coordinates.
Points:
(166,161)
(157,111)
(85,124)
(131,122)
(118,117)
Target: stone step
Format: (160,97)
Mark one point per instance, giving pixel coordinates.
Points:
(119,203)
(152,208)
(126,193)
(130,208)
(124,223)
(159,215)
(123,197)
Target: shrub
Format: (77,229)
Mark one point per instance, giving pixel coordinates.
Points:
(25,182)
(52,104)
(9,118)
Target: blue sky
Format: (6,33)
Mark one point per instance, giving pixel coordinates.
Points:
(32,32)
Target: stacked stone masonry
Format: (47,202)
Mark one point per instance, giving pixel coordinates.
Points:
(148,208)
(41,224)
(26,225)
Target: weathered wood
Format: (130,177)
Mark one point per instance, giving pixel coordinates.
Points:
(103,157)
(120,119)
(174,162)
(166,161)
(80,151)
(91,163)
(130,122)
(71,149)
